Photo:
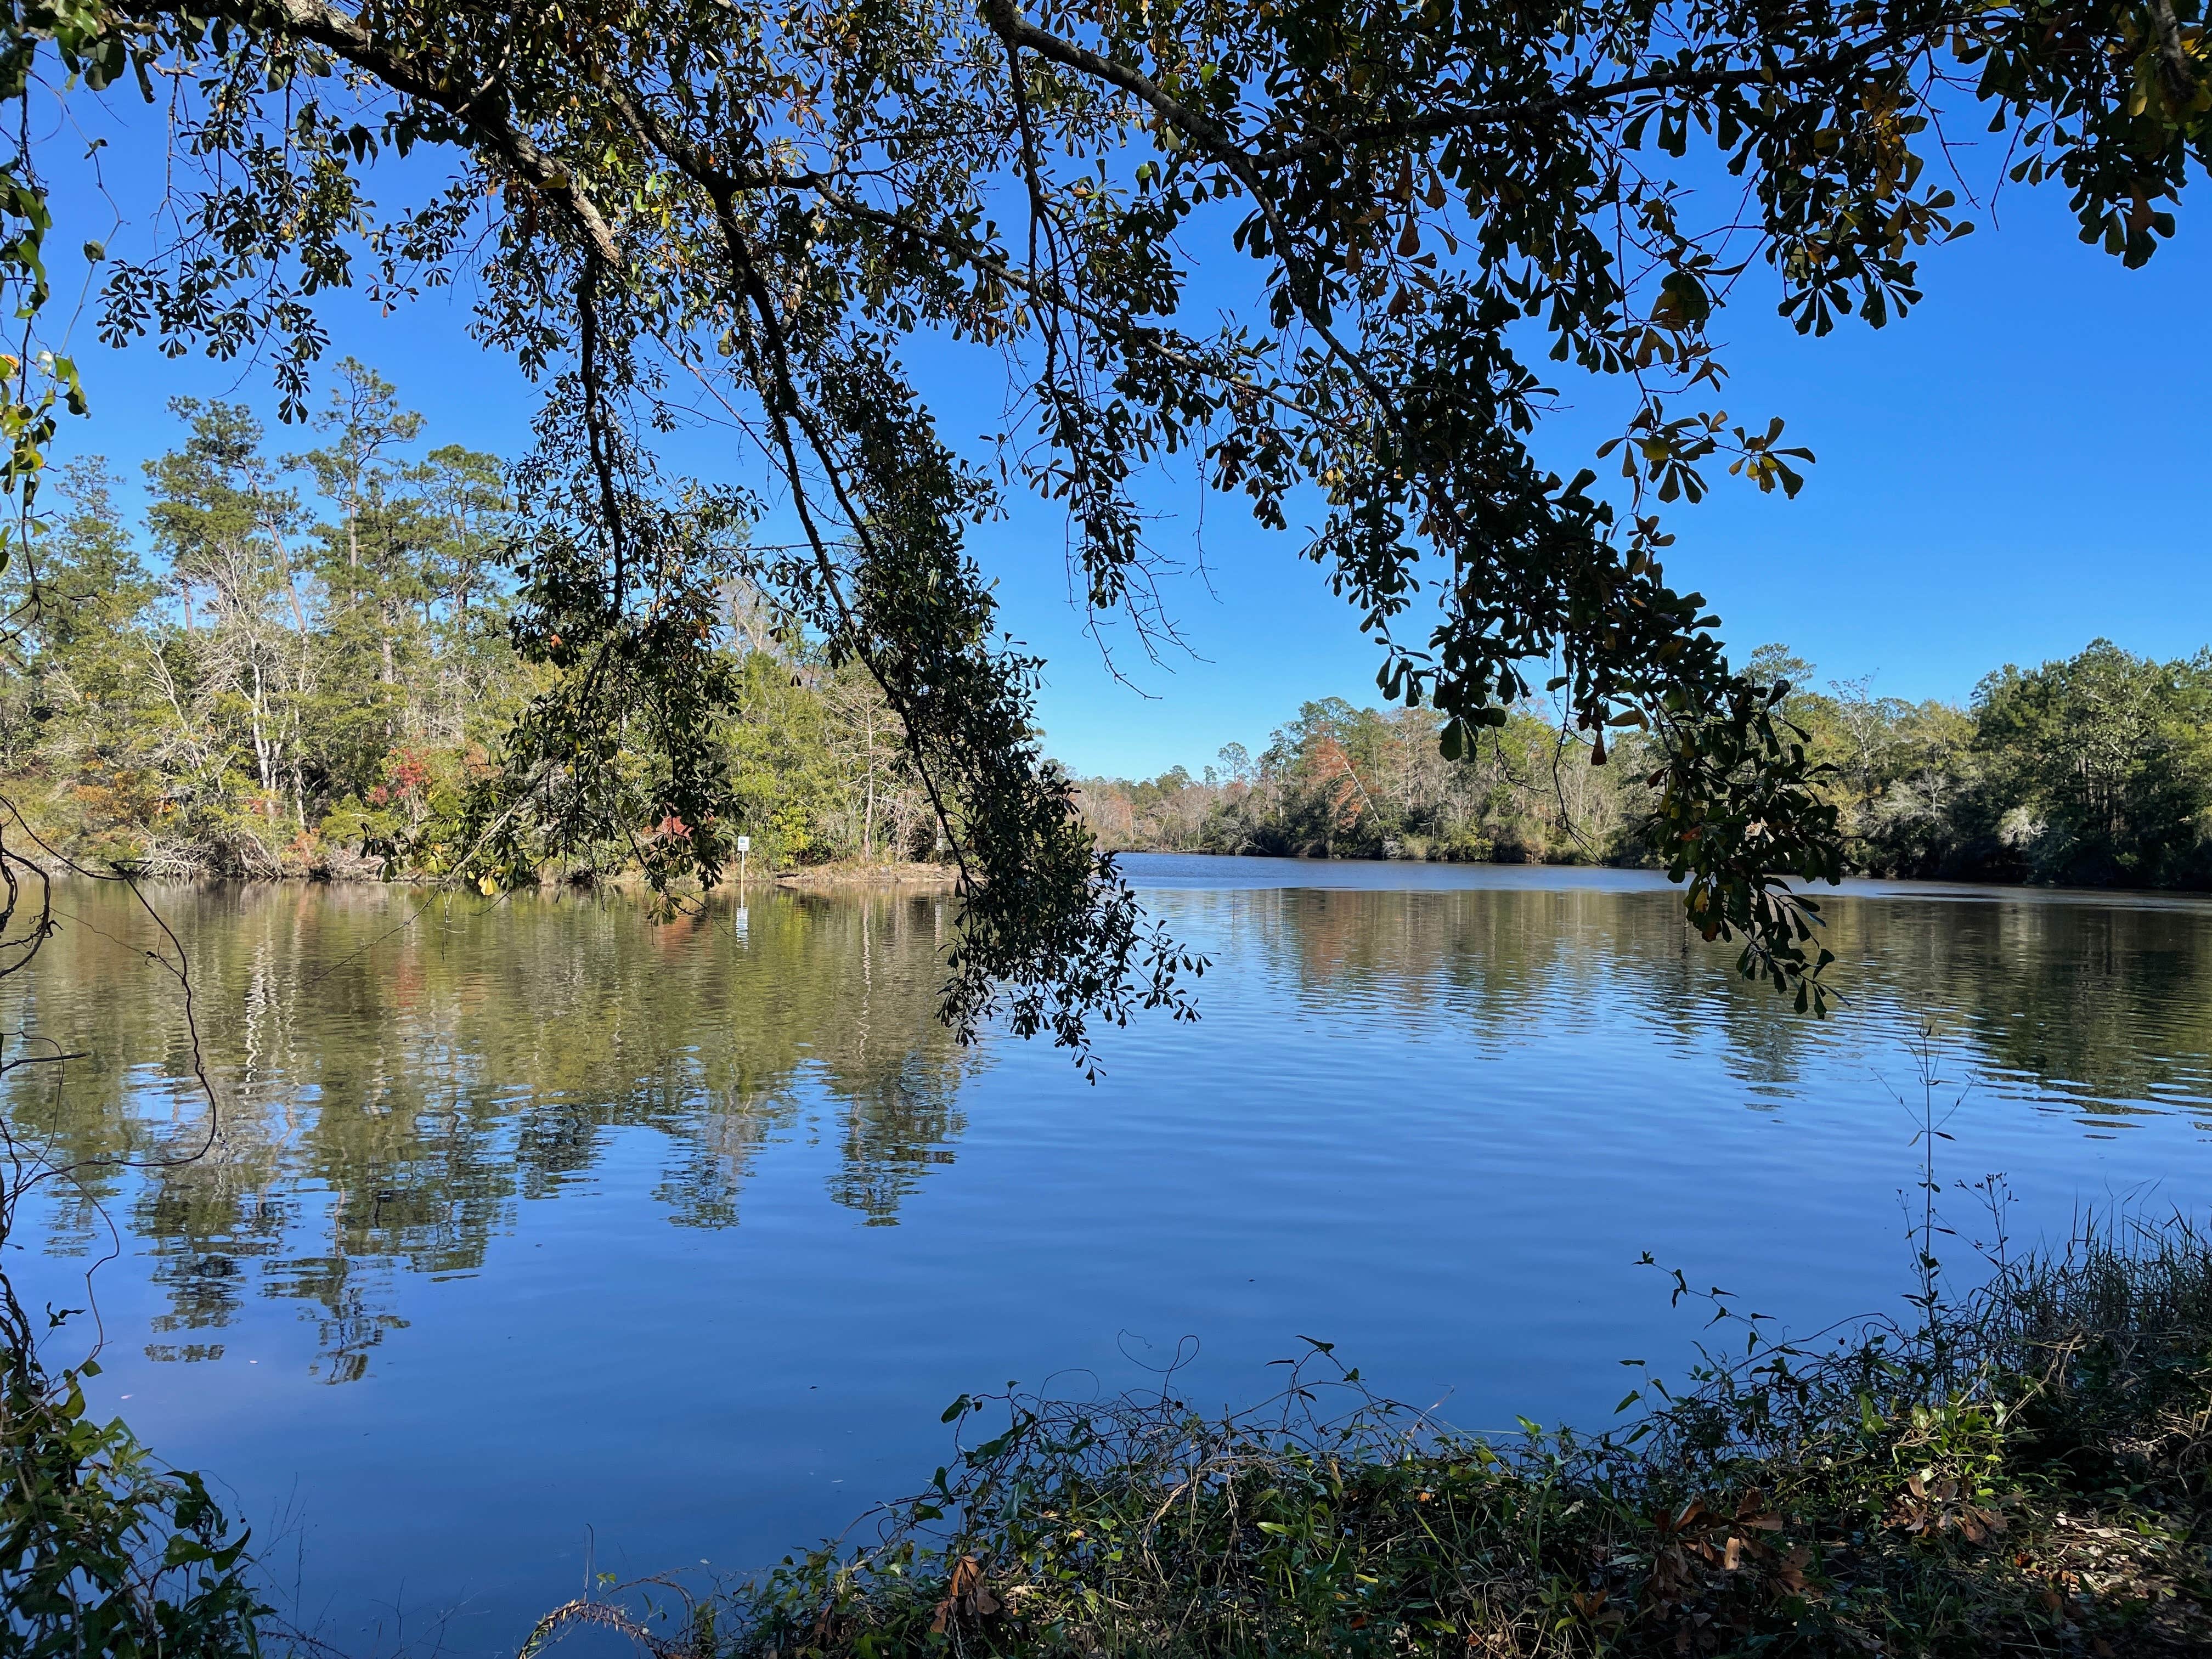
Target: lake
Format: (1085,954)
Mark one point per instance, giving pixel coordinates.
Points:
(538,1239)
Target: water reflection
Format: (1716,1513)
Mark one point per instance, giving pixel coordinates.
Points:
(397,1076)
(2106,1007)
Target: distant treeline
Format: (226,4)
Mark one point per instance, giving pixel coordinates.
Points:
(295,657)
(2095,771)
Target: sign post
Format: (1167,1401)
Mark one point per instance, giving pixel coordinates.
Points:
(739,918)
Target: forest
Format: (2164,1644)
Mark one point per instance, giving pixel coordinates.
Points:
(296,663)
(2092,771)
(299,663)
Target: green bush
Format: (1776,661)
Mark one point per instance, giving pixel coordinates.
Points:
(102,1551)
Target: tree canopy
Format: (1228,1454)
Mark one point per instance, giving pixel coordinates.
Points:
(2095,770)
(323,669)
(764,205)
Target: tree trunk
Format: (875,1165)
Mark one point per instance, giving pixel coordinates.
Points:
(384,674)
(264,753)
(868,821)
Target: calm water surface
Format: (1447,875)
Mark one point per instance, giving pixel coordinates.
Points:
(538,1236)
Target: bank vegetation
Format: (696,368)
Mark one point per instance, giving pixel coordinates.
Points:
(296,665)
(2095,770)
(2023,1472)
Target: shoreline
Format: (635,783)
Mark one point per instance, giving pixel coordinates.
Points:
(905,874)
(838,877)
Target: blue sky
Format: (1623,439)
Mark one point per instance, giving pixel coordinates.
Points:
(2019,466)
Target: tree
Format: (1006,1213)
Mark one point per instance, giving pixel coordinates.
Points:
(75,698)
(228,531)
(2103,765)
(768,201)
(387,672)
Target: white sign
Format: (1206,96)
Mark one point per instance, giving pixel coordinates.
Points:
(744,843)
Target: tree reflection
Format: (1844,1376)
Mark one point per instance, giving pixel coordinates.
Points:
(2103,1004)
(397,1076)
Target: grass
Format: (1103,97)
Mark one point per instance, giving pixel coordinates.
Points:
(2023,1472)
